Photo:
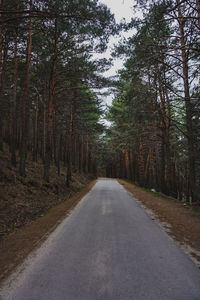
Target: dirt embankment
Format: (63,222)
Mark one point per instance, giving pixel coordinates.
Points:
(23,199)
(30,208)
(180,221)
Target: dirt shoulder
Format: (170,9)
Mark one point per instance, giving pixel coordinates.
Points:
(180,222)
(31,208)
(15,246)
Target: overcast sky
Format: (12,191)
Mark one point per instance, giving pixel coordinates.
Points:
(121,9)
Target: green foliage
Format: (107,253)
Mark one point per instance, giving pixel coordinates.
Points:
(149,136)
(62,110)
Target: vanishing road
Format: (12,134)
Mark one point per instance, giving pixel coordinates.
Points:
(109,249)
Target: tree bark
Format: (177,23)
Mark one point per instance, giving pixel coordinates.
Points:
(141,162)
(198,10)
(26,104)
(44,127)
(2,88)
(86,152)
(14,111)
(35,141)
(188,107)
(69,150)
(1,70)
(47,158)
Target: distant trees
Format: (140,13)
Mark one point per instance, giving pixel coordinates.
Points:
(155,113)
(47,107)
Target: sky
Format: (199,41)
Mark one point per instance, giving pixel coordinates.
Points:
(121,9)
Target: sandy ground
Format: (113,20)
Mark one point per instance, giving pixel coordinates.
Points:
(179,221)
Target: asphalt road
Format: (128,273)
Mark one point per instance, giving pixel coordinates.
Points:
(108,248)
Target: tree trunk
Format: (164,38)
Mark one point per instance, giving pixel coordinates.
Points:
(86,153)
(47,158)
(14,111)
(198,10)
(167,144)
(81,150)
(69,150)
(35,141)
(146,169)
(188,107)
(2,88)
(59,155)
(25,107)
(163,134)
(1,95)
(44,128)
(141,163)
(127,163)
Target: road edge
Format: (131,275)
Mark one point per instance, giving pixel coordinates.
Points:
(188,248)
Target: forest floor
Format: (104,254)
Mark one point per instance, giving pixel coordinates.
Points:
(180,221)
(30,208)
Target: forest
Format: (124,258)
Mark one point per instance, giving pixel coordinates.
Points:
(154,139)
(48,108)
(50,92)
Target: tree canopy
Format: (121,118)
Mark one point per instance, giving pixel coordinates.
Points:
(155,134)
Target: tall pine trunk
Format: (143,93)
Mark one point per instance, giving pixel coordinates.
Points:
(198,10)
(26,104)
(47,158)
(14,110)
(35,135)
(69,148)
(188,107)
(1,70)
(2,87)
(86,153)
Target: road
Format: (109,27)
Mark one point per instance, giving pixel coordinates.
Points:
(108,248)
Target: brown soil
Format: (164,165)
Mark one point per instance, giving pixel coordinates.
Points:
(15,246)
(31,208)
(180,221)
(26,198)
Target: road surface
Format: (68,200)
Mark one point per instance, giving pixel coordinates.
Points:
(109,249)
